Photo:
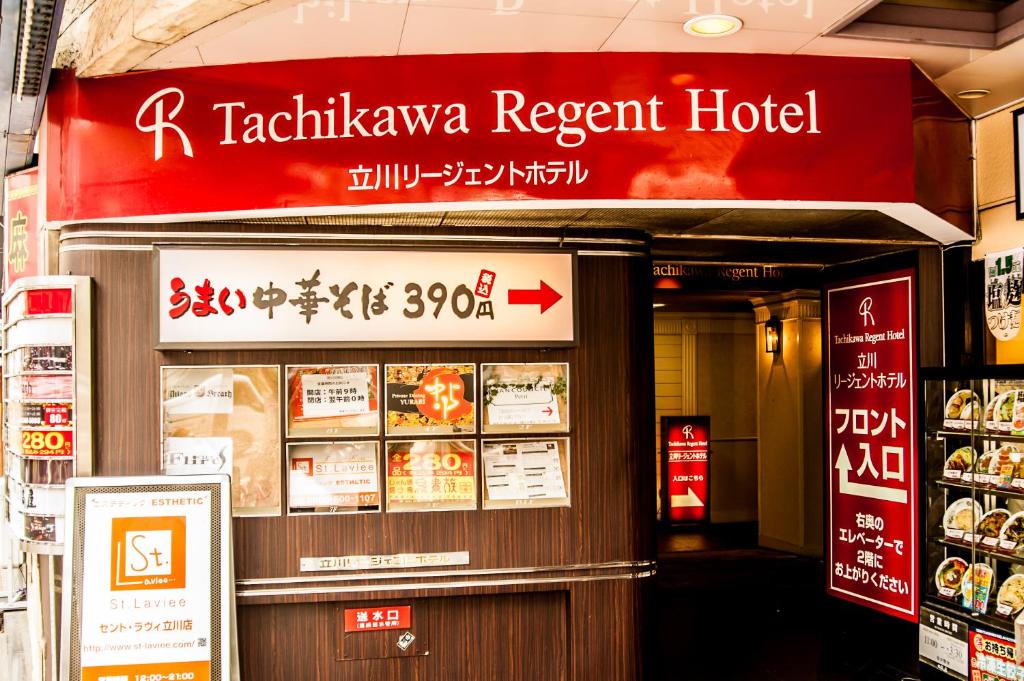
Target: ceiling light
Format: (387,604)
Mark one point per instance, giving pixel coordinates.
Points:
(712,25)
(657,305)
(974,94)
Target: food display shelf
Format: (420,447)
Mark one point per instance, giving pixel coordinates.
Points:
(995,491)
(997,623)
(1006,557)
(977,435)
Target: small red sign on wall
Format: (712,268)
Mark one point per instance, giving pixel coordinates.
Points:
(378,618)
(686,442)
(48,301)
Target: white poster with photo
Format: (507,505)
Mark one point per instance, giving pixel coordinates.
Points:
(1003,280)
(525,398)
(333,477)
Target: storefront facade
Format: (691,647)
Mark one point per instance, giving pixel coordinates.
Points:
(248,233)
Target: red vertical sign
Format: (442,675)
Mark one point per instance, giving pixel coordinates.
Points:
(21,226)
(872,423)
(685,447)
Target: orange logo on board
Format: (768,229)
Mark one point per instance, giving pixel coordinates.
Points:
(147,553)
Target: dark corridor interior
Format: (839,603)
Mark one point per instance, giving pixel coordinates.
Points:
(727,610)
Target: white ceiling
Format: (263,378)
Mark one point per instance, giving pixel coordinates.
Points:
(290,29)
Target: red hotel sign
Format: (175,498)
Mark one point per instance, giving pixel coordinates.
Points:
(872,467)
(686,446)
(425,130)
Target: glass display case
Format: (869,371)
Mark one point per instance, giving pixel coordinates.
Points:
(974,492)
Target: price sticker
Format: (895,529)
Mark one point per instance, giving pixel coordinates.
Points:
(48,443)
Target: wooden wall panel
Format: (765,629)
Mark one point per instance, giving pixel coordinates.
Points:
(508,637)
(612,470)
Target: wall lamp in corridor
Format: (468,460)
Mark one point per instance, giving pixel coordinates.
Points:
(773,335)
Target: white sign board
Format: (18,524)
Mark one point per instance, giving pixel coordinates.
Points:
(148,563)
(272,297)
(942,643)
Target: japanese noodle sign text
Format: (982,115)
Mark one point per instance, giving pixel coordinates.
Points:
(872,465)
(332,297)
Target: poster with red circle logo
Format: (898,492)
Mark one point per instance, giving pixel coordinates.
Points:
(430,399)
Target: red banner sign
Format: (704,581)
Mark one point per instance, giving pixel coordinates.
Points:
(427,130)
(686,444)
(21,233)
(871,343)
(378,618)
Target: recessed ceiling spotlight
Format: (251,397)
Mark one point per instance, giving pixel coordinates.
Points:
(977,93)
(712,25)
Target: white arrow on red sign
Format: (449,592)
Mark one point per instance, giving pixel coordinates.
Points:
(690,499)
(844,467)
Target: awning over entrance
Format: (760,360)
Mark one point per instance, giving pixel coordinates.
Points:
(688,146)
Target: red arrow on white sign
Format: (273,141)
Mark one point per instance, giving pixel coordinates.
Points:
(545,296)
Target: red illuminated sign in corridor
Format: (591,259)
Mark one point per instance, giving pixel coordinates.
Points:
(687,481)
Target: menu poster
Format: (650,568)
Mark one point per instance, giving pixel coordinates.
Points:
(333,477)
(431,475)
(430,399)
(525,473)
(526,398)
(333,399)
(204,408)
